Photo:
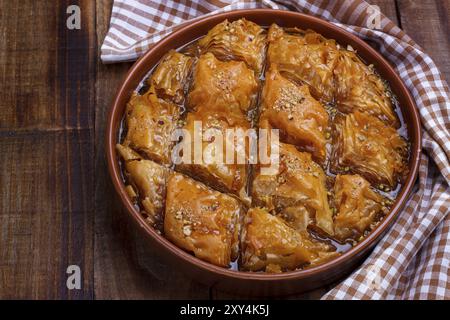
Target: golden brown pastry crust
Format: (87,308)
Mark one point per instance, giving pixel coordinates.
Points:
(332,74)
(358,88)
(297,192)
(223,86)
(148,180)
(301,119)
(214,171)
(367,146)
(305,56)
(269,244)
(202,221)
(358,206)
(170,77)
(239,40)
(150,122)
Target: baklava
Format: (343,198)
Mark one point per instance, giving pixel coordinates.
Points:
(336,151)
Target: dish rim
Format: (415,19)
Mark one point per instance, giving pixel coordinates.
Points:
(370,240)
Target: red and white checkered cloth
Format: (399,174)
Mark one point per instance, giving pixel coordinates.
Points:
(412,261)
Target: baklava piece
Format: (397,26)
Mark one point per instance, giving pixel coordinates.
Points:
(358,88)
(150,122)
(170,77)
(202,221)
(358,206)
(365,145)
(147,182)
(305,56)
(289,107)
(238,40)
(297,192)
(228,86)
(269,244)
(215,131)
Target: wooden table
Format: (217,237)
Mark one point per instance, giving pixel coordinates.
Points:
(57,204)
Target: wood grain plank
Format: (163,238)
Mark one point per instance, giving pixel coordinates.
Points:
(45,214)
(125,267)
(38,49)
(428,23)
(46,145)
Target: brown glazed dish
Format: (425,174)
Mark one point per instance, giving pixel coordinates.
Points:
(260,283)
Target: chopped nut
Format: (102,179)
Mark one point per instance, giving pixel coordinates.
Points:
(187,230)
(361,138)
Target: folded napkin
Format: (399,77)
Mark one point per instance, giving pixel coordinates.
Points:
(412,260)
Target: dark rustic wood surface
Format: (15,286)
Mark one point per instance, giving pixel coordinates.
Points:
(57,204)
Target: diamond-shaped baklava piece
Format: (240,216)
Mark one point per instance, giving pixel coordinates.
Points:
(305,56)
(358,88)
(269,244)
(296,191)
(358,206)
(365,145)
(301,119)
(170,77)
(148,182)
(203,151)
(202,221)
(226,86)
(150,122)
(238,40)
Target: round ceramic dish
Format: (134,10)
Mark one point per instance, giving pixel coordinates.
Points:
(247,282)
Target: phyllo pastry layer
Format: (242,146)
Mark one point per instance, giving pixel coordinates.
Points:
(171,75)
(150,122)
(358,206)
(289,107)
(237,40)
(305,56)
(147,182)
(365,145)
(202,221)
(297,192)
(269,244)
(215,131)
(225,86)
(358,88)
